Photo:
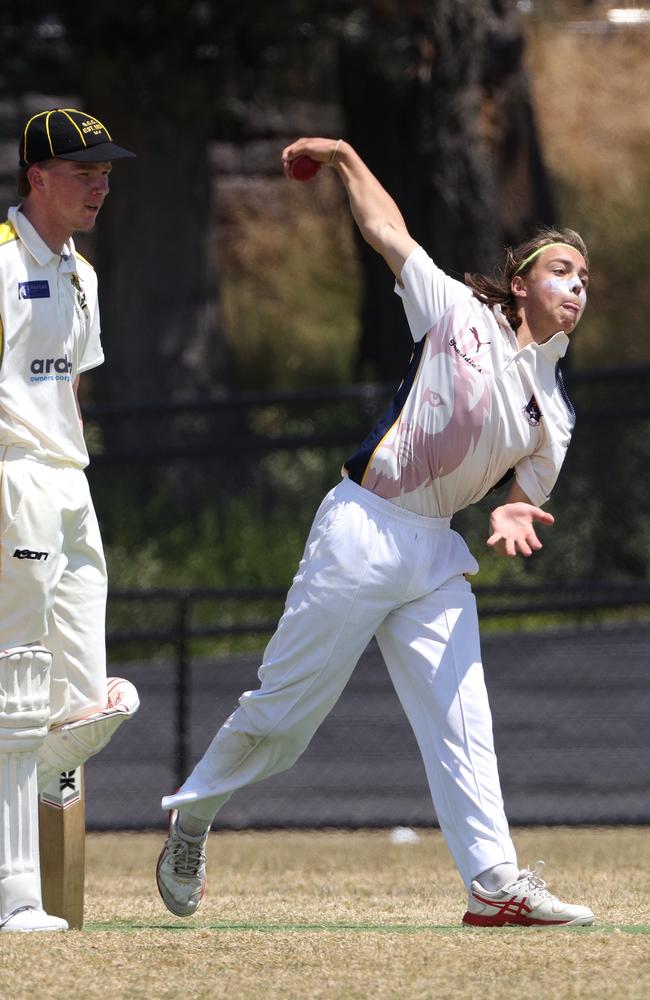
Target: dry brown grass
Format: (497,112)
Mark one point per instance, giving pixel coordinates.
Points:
(591,100)
(289,283)
(341,916)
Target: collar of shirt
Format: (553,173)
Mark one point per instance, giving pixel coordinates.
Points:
(553,349)
(37,247)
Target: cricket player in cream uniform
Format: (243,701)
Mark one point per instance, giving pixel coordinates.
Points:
(55,709)
(482,401)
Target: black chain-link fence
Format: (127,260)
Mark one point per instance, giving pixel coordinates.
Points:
(571,714)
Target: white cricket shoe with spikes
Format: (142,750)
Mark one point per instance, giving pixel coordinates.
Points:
(180,873)
(526,902)
(30,918)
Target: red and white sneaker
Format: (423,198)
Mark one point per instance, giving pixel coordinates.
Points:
(525,901)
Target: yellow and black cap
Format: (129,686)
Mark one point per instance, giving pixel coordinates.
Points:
(67,134)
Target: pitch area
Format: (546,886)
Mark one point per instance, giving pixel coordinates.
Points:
(342,915)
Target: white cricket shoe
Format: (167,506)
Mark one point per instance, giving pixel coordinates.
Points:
(29,918)
(180,872)
(525,901)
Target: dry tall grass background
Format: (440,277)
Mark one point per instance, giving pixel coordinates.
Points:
(591,99)
(290,283)
(336,915)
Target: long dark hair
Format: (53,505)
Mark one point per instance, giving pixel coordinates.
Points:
(495,290)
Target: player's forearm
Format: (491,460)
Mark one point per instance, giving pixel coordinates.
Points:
(372,206)
(375,212)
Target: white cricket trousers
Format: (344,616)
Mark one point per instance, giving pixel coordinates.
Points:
(53,578)
(371,568)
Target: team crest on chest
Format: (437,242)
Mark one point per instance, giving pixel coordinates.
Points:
(532,412)
(80,294)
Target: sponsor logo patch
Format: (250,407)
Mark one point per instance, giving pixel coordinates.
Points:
(64,790)
(43,366)
(50,369)
(466,357)
(479,343)
(30,554)
(33,289)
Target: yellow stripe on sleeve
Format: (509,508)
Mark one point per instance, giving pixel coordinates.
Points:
(7,233)
(84,259)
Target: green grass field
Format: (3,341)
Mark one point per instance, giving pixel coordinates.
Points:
(295,915)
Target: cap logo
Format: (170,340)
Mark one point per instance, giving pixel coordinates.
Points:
(92,126)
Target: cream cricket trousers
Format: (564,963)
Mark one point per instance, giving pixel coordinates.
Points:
(371,568)
(52,593)
(53,578)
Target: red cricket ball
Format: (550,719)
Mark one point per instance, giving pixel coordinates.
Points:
(303,168)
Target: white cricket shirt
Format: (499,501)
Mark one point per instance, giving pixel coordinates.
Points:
(49,334)
(472,407)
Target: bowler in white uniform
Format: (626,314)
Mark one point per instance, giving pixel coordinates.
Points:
(482,401)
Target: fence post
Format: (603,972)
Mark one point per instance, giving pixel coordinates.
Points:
(182,690)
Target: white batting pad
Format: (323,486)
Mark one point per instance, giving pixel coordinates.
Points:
(70,745)
(20,880)
(24,697)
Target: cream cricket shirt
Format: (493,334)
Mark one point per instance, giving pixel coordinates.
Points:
(472,406)
(49,334)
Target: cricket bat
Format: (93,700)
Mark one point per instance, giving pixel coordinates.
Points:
(62,830)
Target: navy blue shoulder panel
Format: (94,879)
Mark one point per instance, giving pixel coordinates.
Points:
(559,381)
(357,464)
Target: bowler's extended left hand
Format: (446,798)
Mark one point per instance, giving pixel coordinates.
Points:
(513,531)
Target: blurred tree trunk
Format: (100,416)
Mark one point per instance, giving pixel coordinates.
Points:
(436,100)
(155,238)
(523,194)
(155,260)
